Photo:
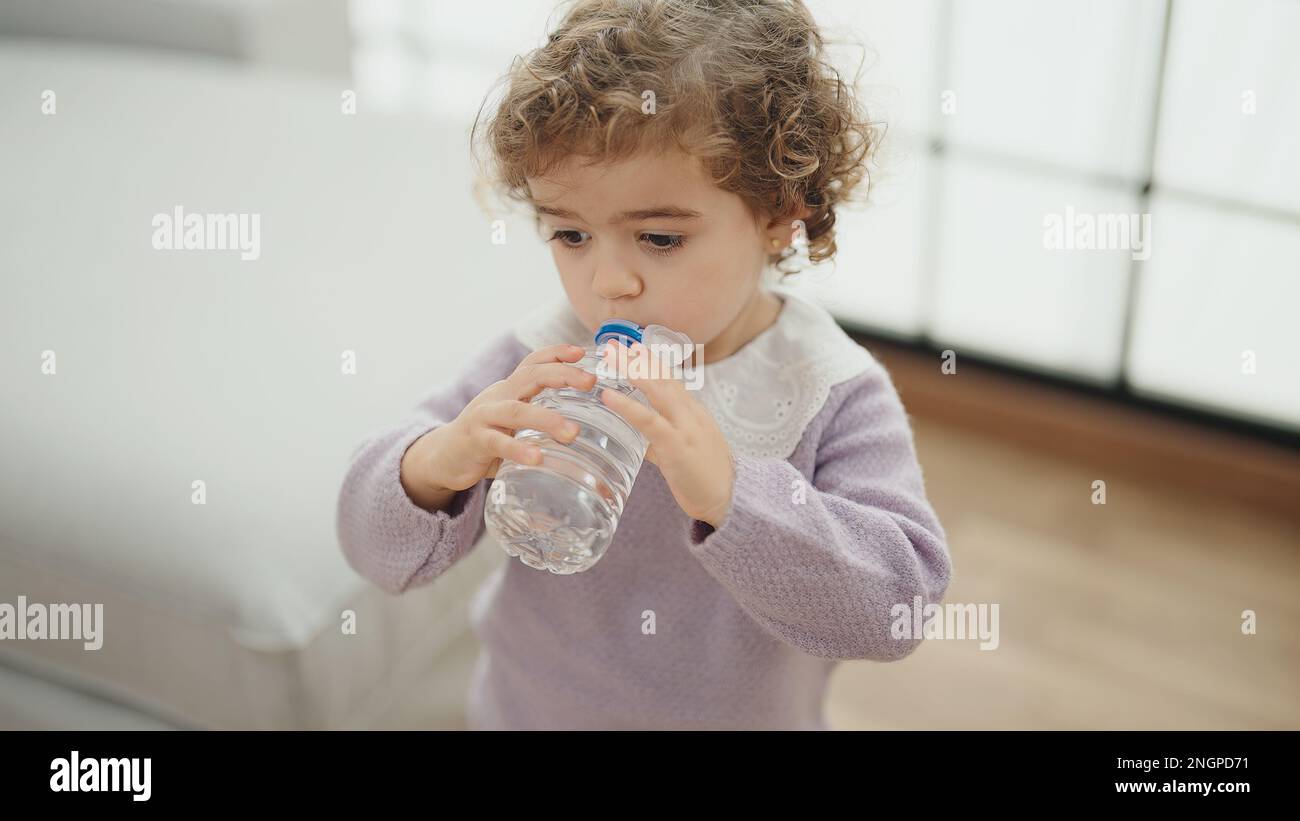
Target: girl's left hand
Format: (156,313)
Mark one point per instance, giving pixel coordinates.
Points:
(685,443)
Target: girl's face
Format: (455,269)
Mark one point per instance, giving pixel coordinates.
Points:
(651,240)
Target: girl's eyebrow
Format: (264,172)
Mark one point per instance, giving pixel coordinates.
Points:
(654,212)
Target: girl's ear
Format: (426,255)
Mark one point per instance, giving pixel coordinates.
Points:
(782,231)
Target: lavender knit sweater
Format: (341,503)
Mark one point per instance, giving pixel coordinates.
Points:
(678,625)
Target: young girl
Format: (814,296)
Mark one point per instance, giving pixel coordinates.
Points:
(672,150)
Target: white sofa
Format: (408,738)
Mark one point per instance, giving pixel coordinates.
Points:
(173,367)
(311,36)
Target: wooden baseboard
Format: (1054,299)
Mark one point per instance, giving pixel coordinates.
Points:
(1095,429)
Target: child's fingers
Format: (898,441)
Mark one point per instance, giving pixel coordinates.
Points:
(513,414)
(655,379)
(528,380)
(647,420)
(553,353)
(504,446)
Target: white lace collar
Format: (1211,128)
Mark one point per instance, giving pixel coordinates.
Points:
(762,396)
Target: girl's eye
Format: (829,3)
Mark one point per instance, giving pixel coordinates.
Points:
(564,236)
(660,244)
(664,244)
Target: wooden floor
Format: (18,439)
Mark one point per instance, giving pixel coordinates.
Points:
(1118,616)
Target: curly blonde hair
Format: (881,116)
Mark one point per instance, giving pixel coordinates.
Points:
(744,86)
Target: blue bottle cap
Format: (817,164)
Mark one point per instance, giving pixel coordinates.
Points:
(623,330)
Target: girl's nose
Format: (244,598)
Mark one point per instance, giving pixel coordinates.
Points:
(614,280)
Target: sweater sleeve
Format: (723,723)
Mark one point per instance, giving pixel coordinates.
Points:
(822,567)
(385,536)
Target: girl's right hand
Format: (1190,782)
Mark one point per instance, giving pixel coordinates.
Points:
(457,455)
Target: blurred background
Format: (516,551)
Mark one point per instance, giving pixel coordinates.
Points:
(1080,263)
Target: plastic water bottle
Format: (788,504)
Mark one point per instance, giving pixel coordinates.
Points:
(561,515)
